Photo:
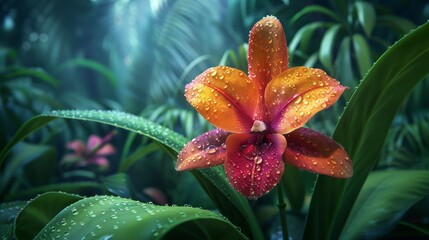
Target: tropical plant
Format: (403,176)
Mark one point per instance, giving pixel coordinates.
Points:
(353,34)
(338,208)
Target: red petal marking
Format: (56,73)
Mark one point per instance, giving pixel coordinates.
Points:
(254,165)
(206,150)
(295,95)
(267,54)
(226,97)
(315,152)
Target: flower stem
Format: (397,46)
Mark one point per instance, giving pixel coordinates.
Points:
(282,208)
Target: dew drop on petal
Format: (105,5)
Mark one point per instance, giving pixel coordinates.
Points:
(258,159)
(211,149)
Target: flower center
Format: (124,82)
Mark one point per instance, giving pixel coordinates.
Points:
(258,126)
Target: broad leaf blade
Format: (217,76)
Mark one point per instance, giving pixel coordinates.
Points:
(230,203)
(103,217)
(39,211)
(384,199)
(363,127)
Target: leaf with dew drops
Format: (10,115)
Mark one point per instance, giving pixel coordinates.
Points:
(105,217)
(230,203)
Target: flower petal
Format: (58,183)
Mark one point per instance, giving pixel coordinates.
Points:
(295,95)
(267,54)
(77,146)
(106,150)
(315,152)
(225,97)
(204,151)
(93,141)
(101,162)
(254,166)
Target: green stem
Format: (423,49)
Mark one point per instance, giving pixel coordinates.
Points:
(282,208)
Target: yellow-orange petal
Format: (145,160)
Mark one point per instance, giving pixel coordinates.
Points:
(226,97)
(267,55)
(206,150)
(315,152)
(295,95)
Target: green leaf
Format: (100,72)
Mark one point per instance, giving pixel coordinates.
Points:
(93,65)
(81,188)
(118,184)
(362,53)
(8,213)
(39,212)
(400,25)
(230,203)
(304,36)
(20,72)
(363,127)
(28,156)
(343,63)
(384,199)
(315,9)
(366,16)
(326,51)
(137,155)
(105,217)
(405,229)
(311,61)
(293,182)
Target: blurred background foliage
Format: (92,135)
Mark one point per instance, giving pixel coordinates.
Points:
(137,55)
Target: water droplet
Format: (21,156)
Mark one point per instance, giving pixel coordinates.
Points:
(213,73)
(298,99)
(258,159)
(211,149)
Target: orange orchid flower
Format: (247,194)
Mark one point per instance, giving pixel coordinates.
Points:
(260,117)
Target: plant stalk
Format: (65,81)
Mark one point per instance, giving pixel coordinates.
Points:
(282,210)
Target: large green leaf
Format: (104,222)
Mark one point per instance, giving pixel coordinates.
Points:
(363,127)
(230,203)
(384,199)
(58,215)
(39,211)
